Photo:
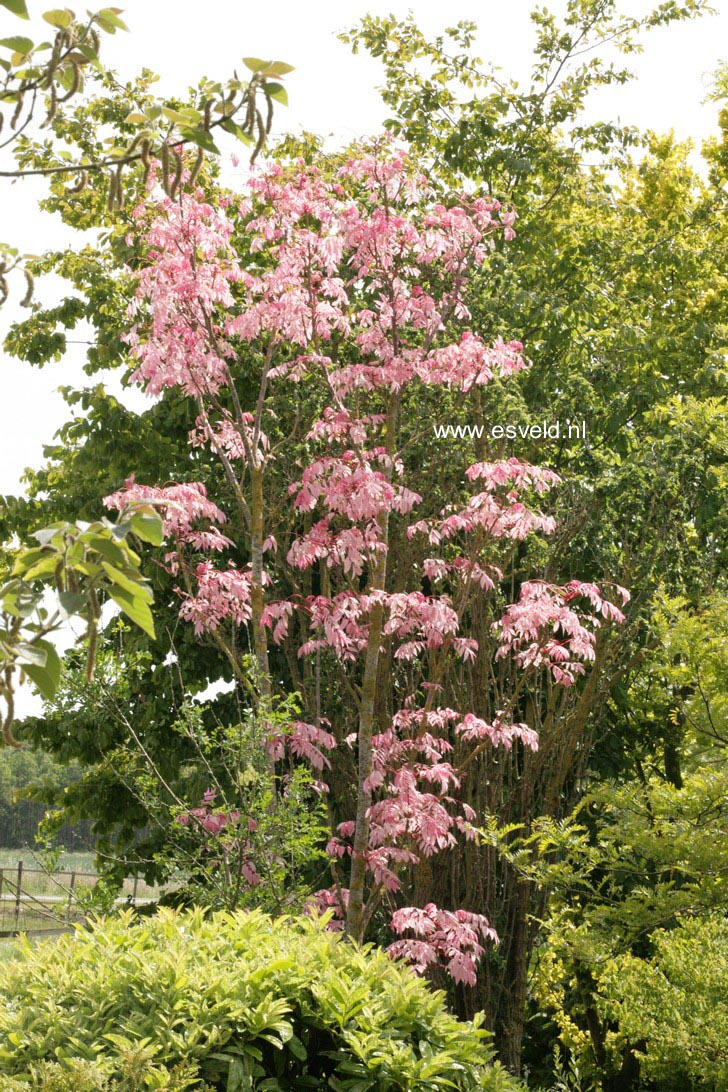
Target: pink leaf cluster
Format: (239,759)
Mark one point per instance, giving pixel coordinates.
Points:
(545,628)
(307,741)
(188,287)
(183,508)
(224,826)
(497,510)
(330,900)
(221,594)
(450,939)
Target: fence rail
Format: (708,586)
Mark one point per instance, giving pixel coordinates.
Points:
(35,901)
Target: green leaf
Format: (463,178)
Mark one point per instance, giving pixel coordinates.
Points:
(231,126)
(18,44)
(149,528)
(46,678)
(71,602)
(19,600)
(108,549)
(16,6)
(44,567)
(58,17)
(28,558)
(175,116)
(278,92)
(27,653)
(280,68)
(129,583)
(91,55)
(134,608)
(135,118)
(47,534)
(255,64)
(297,1048)
(202,138)
(109,20)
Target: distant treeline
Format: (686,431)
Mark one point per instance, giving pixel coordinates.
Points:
(19,817)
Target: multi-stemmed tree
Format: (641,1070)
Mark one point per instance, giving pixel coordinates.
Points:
(312,320)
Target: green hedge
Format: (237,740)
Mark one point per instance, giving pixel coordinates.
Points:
(227,1002)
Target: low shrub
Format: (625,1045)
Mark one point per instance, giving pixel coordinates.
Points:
(228,1001)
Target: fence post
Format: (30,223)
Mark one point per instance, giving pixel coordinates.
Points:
(70,895)
(133,894)
(18,889)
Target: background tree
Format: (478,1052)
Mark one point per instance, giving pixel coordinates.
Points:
(642,856)
(22,810)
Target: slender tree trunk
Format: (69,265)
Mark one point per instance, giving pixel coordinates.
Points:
(355,923)
(510,1022)
(257,597)
(355,919)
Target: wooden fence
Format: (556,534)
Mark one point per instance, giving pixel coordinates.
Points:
(34,901)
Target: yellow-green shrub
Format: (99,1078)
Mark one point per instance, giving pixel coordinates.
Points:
(242,1000)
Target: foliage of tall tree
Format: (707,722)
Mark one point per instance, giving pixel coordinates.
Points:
(45,90)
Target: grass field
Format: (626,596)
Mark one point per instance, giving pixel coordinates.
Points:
(56,893)
(81,862)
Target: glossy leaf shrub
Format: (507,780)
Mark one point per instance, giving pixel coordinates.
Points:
(231,1001)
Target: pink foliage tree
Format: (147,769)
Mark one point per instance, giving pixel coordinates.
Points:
(346,292)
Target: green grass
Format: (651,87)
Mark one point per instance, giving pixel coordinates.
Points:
(80,862)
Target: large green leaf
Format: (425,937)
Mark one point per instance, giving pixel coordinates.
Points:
(28,558)
(108,549)
(149,528)
(58,17)
(108,19)
(278,92)
(231,126)
(45,677)
(135,608)
(18,44)
(28,653)
(201,138)
(280,68)
(47,534)
(90,55)
(44,567)
(71,602)
(127,581)
(255,64)
(189,117)
(17,7)
(18,599)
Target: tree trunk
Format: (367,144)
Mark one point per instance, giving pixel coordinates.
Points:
(508,1029)
(257,598)
(355,923)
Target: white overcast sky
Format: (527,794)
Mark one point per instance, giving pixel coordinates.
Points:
(331,92)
